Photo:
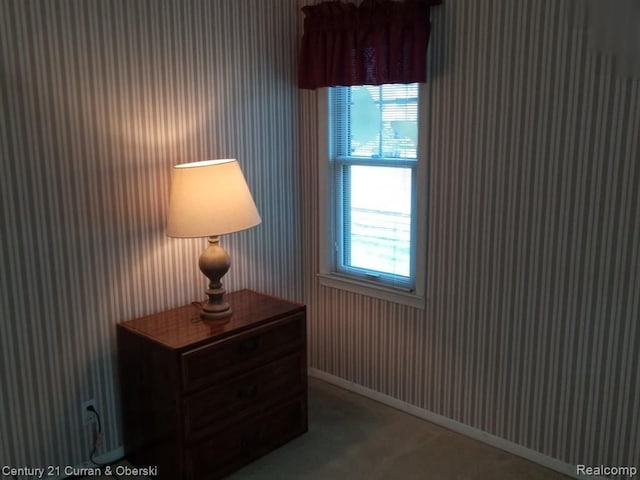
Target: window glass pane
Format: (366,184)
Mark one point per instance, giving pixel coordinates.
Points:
(378,219)
(383,121)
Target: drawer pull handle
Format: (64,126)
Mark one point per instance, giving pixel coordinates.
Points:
(249,345)
(247,392)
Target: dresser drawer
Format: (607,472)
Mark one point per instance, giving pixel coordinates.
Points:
(246,440)
(208,410)
(205,365)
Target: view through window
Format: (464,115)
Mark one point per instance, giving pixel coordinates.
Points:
(375,133)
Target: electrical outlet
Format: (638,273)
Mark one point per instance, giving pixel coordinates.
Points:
(88,417)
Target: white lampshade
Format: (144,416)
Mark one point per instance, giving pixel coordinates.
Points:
(209,198)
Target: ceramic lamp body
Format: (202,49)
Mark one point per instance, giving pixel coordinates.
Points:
(214,263)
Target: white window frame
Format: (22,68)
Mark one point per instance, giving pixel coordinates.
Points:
(328,275)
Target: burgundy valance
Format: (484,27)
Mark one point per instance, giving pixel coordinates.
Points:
(375,42)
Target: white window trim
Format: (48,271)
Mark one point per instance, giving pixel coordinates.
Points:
(329,278)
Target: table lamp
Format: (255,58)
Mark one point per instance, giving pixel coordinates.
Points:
(209,199)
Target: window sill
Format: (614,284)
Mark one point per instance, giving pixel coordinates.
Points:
(370,289)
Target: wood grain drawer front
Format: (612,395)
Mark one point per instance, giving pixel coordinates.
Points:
(208,410)
(203,366)
(247,440)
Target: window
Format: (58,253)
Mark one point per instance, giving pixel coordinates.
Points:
(373,225)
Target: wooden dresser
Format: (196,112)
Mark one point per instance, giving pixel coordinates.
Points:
(202,398)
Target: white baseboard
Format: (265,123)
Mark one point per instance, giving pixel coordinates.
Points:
(105,458)
(476,434)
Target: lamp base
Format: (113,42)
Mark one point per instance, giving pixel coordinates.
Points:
(214,263)
(215,316)
(215,308)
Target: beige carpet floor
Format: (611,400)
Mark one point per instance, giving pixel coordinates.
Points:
(352,437)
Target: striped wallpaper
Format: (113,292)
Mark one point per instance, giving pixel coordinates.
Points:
(98,100)
(531,332)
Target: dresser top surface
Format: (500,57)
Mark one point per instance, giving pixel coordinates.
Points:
(182,327)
